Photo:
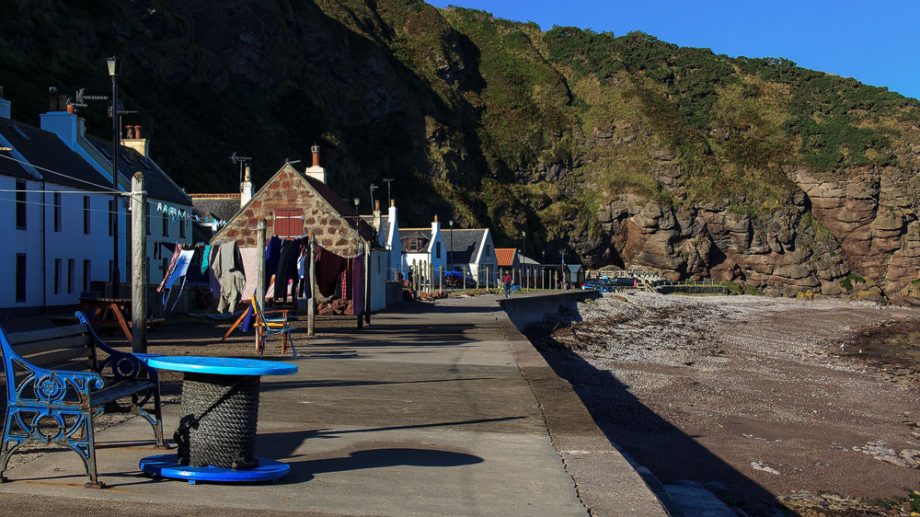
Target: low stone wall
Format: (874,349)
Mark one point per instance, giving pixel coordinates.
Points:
(693,289)
(527,310)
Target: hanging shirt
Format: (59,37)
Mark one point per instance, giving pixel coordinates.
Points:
(329,267)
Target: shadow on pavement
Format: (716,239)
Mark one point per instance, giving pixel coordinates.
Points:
(670,454)
(375,458)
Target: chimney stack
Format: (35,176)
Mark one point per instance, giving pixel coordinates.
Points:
(56,102)
(376,215)
(246,186)
(316,171)
(135,140)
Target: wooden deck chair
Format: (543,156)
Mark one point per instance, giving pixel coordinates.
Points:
(268,324)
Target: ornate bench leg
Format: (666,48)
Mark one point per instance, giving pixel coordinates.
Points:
(8,445)
(155,420)
(90,458)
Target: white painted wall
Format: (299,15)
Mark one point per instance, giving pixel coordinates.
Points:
(70,129)
(70,243)
(155,255)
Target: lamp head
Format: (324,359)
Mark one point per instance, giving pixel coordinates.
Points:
(112,63)
(357,202)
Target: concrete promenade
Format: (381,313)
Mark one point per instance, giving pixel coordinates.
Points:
(444,409)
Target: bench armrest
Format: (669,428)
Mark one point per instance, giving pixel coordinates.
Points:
(51,387)
(122,365)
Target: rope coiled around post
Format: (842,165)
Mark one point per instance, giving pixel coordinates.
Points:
(219,418)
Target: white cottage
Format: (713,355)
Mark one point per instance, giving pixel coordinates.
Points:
(472,252)
(171,225)
(55,219)
(424,249)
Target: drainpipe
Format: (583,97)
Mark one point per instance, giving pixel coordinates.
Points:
(44,257)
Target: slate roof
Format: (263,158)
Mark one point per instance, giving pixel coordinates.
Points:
(464,246)
(527,261)
(219,206)
(44,149)
(384,231)
(158,184)
(339,205)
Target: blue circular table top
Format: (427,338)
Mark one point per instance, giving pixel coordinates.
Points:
(220,365)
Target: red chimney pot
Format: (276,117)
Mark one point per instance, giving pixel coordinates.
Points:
(137,132)
(129,131)
(315,151)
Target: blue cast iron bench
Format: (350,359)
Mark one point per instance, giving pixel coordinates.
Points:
(48,404)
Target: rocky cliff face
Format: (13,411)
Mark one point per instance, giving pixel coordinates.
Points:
(624,150)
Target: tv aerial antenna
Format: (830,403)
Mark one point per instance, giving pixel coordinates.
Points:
(242,160)
(389,181)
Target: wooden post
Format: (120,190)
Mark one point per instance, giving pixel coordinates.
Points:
(367,282)
(440,278)
(488,275)
(311,305)
(260,277)
(463,272)
(139,261)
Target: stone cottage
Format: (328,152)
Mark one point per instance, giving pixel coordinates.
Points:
(296,203)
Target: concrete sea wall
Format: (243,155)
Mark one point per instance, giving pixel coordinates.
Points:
(527,310)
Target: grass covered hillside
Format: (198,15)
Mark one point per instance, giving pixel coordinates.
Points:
(624,149)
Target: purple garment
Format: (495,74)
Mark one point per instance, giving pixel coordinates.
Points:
(247,322)
(272,256)
(357,285)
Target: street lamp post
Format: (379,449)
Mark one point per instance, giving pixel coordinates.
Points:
(543,270)
(112,63)
(521,265)
(356,201)
(449,251)
(563,268)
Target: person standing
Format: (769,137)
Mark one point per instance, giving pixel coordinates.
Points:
(506,280)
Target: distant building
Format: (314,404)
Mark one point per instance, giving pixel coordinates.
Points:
(472,252)
(424,249)
(386,228)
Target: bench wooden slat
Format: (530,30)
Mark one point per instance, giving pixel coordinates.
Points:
(55,357)
(61,343)
(45,334)
(119,390)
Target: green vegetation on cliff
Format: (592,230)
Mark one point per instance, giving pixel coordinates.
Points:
(496,122)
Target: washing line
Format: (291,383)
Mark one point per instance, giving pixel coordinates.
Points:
(110,189)
(84,192)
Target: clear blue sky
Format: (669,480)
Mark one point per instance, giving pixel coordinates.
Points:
(877,42)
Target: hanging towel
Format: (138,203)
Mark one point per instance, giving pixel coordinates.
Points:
(179,271)
(180,267)
(205,258)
